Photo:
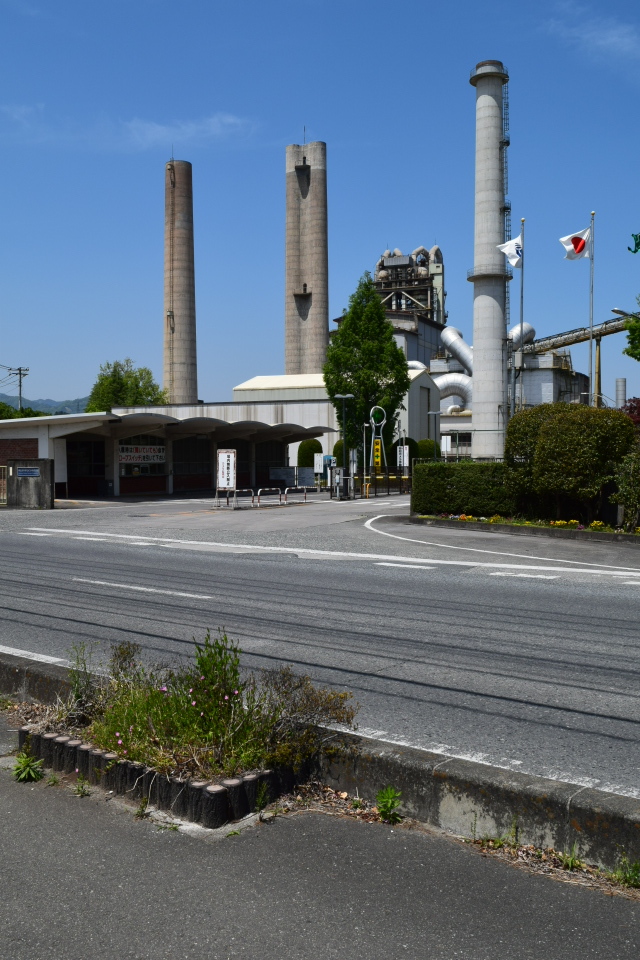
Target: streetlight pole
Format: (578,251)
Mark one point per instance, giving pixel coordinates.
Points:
(345,477)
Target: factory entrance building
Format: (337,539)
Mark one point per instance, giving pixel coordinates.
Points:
(165,450)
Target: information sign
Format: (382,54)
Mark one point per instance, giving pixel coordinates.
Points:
(28,471)
(226,470)
(377,452)
(318,463)
(403,455)
(128,453)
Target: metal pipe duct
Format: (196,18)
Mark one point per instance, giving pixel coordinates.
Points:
(455,385)
(579,335)
(514,334)
(621,392)
(452,340)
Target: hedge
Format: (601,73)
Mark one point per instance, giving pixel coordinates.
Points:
(473,488)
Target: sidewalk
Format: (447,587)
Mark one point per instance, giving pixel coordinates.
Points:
(81,878)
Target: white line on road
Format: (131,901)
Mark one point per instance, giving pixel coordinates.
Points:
(93,539)
(410,566)
(128,586)
(43,658)
(498,553)
(349,555)
(24,534)
(530,576)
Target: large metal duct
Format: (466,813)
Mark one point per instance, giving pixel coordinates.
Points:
(180,362)
(529,334)
(489,272)
(455,385)
(452,340)
(306,259)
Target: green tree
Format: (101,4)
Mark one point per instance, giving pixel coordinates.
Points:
(628,494)
(120,384)
(425,449)
(577,452)
(364,359)
(306,450)
(632,326)
(7,412)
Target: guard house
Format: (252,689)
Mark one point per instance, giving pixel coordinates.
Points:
(141,450)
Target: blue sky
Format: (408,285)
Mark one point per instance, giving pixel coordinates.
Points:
(94,96)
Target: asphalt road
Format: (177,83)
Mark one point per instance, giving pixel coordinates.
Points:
(81,878)
(523,653)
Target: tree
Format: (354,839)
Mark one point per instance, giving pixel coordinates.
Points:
(632,409)
(120,384)
(306,450)
(364,359)
(7,412)
(632,326)
(628,493)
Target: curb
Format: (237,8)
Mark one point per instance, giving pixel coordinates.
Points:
(631,539)
(458,796)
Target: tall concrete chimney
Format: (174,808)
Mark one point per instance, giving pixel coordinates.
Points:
(180,364)
(489,272)
(306,260)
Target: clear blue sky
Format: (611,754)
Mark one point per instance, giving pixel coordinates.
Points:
(94,96)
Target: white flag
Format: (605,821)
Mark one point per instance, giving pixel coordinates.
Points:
(513,251)
(577,245)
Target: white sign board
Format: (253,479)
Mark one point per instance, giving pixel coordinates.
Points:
(318,463)
(127,453)
(226,470)
(445,443)
(403,455)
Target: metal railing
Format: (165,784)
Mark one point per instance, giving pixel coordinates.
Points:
(304,490)
(380,484)
(3,486)
(270,490)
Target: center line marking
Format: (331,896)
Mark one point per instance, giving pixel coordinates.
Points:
(404,566)
(128,586)
(530,576)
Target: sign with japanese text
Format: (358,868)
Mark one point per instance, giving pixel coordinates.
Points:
(226,470)
(377,452)
(140,454)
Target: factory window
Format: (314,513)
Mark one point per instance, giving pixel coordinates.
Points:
(191,456)
(85,458)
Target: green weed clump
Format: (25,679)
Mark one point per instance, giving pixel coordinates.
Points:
(27,769)
(206,719)
(387,802)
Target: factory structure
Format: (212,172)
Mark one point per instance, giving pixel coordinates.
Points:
(172,448)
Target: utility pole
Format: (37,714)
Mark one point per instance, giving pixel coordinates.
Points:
(19,372)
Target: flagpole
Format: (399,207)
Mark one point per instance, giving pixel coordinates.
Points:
(521,312)
(592,399)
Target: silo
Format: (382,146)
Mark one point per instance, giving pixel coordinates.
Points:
(489,272)
(306,259)
(180,363)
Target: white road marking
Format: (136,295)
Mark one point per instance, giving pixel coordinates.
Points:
(410,566)
(25,534)
(498,553)
(93,539)
(633,583)
(352,555)
(43,658)
(128,586)
(531,576)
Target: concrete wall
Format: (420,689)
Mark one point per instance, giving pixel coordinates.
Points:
(306,259)
(30,492)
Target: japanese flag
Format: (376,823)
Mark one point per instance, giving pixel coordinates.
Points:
(577,245)
(513,251)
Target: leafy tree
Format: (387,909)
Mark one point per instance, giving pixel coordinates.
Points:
(425,449)
(632,409)
(306,450)
(632,326)
(7,412)
(521,443)
(577,452)
(120,384)
(628,493)
(364,359)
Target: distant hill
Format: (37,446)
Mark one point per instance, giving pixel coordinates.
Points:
(48,406)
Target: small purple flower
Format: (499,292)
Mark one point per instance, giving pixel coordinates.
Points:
(193,703)
(119,743)
(117,734)
(226,697)
(191,690)
(202,714)
(235,692)
(202,678)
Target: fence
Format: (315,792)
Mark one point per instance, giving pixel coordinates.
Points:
(366,486)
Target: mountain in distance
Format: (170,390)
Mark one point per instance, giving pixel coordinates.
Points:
(48,406)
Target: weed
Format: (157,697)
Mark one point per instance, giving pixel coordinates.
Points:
(474,826)
(628,874)
(82,786)
(570,861)
(123,662)
(233,833)
(356,803)
(168,826)
(387,802)
(141,811)
(262,796)
(53,780)
(6,703)
(27,769)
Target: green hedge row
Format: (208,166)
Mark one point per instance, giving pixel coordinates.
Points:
(475,488)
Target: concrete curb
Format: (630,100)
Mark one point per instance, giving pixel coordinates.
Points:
(631,539)
(458,796)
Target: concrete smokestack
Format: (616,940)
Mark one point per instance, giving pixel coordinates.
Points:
(306,259)
(180,364)
(489,271)
(621,392)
